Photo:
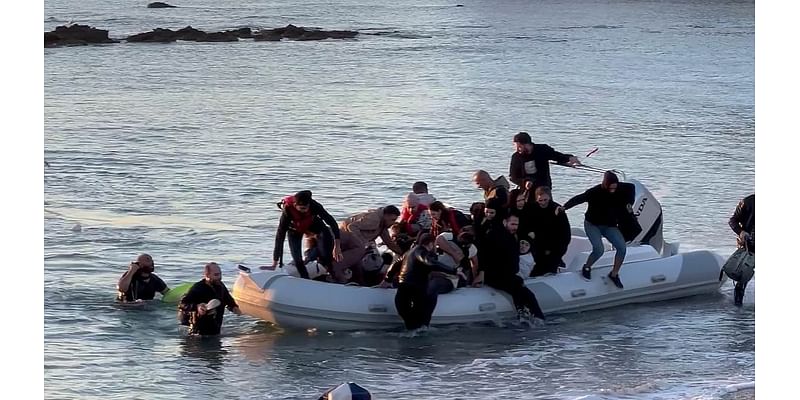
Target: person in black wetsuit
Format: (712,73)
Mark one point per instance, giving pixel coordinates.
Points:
(499,265)
(194,303)
(413,302)
(601,220)
(551,232)
(743,223)
(303,215)
(139,282)
(530,164)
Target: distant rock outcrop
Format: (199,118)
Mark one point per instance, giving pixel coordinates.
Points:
(188,33)
(76,35)
(159,4)
(300,33)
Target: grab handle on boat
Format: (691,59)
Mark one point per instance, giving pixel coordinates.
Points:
(658,278)
(578,293)
(378,308)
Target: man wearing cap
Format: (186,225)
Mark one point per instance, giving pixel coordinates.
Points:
(139,282)
(530,164)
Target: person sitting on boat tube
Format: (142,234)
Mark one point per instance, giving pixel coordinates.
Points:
(499,266)
(415,215)
(358,236)
(551,233)
(413,301)
(530,163)
(196,307)
(303,215)
(446,219)
(139,282)
(601,220)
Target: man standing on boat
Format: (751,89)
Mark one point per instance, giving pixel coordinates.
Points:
(498,261)
(530,164)
(743,223)
(359,233)
(302,215)
(492,188)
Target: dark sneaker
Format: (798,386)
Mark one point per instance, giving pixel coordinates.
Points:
(586,273)
(615,279)
(523,315)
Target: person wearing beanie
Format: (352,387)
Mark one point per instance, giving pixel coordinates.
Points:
(601,220)
(530,163)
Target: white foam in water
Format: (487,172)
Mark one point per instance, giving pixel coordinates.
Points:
(739,386)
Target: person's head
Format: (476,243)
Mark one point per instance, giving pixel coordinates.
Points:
(411,201)
(419,187)
(543,196)
(302,200)
(516,199)
(482,179)
(437,210)
(610,181)
(524,246)
(390,214)
(523,143)
(427,241)
(511,222)
(477,208)
(212,273)
(146,265)
(493,207)
(467,236)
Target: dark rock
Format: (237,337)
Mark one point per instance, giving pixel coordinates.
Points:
(218,37)
(76,35)
(342,34)
(159,4)
(157,35)
(190,33)
(300,33)
(267,36)
(242,33)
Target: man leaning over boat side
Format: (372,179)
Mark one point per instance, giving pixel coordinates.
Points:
(743,223)
(302,215)
(530,163)
(358,235)
(140,282)
(492,188)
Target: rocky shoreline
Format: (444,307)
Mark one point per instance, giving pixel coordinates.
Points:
(81,35)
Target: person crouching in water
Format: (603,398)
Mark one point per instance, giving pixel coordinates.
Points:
(551,233)
(139,282)
(303,215)
(194,304)
(601,220)
(412,300)
(501,252)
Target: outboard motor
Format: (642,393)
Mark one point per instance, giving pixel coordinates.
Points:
(647,210)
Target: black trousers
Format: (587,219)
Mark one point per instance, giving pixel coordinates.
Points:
(414,305)
(324,245)
(521,295)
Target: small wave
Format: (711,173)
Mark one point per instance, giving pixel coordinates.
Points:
(398,34)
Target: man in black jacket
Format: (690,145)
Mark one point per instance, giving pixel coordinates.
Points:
(499,264)
(743,223)
(413,301)
(530,164)
(551,233)
(194,304)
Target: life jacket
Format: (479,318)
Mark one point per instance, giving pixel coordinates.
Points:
(301,222)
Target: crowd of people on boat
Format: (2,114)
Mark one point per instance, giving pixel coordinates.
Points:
(433,248)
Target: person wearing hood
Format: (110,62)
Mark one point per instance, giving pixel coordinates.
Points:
(530,163)
(415,215)
(551,233)
(601,220)
(492,188)
(413,301)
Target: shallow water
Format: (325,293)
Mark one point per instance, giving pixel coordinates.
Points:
(181,150)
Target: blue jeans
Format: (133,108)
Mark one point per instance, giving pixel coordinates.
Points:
(595,233)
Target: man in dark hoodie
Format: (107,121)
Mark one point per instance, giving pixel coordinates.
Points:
(530,164)
(602,220)
(499,264)
(743,223)
(414,303)
(551,232)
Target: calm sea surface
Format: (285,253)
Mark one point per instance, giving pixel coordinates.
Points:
(181,150)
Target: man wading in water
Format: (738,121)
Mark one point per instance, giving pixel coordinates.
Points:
(194,306)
